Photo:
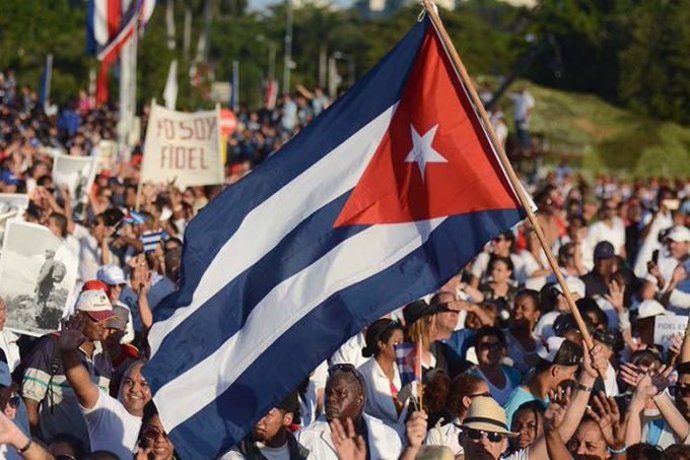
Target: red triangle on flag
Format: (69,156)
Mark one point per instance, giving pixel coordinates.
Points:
(435,159)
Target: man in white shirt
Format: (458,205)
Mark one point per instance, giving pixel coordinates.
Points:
(113,424)
(345,398)
(609,228)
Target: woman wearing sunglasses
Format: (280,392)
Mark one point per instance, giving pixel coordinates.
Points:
(490,345)
(154,443)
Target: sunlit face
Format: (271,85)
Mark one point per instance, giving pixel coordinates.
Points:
(526,310)
(387,349)
(588,442)
(157,440)
(500,272)
(135,391)
(528,424)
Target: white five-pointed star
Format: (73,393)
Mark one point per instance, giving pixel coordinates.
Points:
(422,152)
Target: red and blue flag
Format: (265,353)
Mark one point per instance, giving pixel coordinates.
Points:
(376,203)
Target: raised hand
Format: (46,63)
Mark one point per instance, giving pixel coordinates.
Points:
(616,295)
(595,362)
(631,374)
(555,412)
(71,336)
(416,429)
(608,417)
(348,444)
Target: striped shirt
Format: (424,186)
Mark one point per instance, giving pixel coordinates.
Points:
(59,408)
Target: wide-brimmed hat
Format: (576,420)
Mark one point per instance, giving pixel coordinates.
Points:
(485,414)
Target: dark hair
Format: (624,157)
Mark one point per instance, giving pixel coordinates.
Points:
(678,451)
(549,296)
(61,221)
(536,407)
(644,451)
(380,330)
(461,386)
(150,411)
(589,305)
(490,331)
(505,260)
(564,253)
(532,294)
(569,354)
(647,358)
(75,443)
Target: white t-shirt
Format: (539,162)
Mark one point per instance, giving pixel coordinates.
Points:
(615,234)
(111,427)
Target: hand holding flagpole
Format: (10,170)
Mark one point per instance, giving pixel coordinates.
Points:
(464,77)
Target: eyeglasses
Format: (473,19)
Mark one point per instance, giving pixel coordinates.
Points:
(64,457)
(476,435)
(152,433)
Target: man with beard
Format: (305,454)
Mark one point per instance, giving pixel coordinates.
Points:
(113,424)
(344,400)
(271,438)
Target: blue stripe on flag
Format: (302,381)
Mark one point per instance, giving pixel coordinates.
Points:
(221,218)
(279,369)
(216,321)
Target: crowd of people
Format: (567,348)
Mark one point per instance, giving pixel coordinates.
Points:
(507,370)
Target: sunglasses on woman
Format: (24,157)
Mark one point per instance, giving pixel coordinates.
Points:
(152,433)
(476,435)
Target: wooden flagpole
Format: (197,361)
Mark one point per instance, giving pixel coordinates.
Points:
(465,80)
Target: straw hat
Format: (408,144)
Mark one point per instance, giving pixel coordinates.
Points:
(485,414)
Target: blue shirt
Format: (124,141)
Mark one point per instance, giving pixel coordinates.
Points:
(461,341)
(519,397)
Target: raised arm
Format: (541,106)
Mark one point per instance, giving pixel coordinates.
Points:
(77,375)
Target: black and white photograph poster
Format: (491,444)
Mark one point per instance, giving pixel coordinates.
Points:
(37,278)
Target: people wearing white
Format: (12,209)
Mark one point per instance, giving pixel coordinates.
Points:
(446,435)
(379,399)
(111,427)
(614,234)
(383,442)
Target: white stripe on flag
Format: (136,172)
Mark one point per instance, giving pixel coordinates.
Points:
(307,193)
(355,259)
(100,22)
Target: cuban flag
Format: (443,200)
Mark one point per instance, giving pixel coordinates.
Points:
(405,359)
(376,203)
(110,25)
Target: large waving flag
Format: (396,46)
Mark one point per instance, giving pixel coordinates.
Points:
(376,203)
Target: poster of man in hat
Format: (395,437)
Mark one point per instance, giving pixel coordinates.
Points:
(37,278)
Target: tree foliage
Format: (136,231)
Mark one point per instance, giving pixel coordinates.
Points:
(630,52)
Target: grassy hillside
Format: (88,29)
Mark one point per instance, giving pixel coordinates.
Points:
(604,138)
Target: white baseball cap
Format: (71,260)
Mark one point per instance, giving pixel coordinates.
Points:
(111,275)
(679,234)
(95,304)
(651,307)
(575,285)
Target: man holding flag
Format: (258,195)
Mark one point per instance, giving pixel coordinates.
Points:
(375,204)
